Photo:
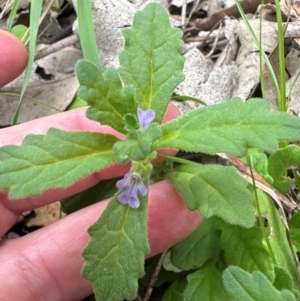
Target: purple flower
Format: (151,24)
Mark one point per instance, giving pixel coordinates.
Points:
(145,117)
(132,184)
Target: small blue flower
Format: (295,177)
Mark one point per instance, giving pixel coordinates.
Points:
(132,184)
(145,117)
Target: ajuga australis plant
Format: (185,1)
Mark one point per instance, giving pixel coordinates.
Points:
(231,256)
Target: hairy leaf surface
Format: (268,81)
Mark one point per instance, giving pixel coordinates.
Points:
(173,293)
(109,101)
(259,161)
(151,59)
(279,162)
(215,190)
(277,237)
(241,285)
(206,285)
(244,248)
(197,248)
(231,128)
(115,254)
(55,160)
(284,280)
(137,148)
(294,225)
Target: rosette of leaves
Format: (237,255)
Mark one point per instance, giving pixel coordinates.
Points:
(150,69)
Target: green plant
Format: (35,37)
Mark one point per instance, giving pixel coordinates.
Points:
(233,255)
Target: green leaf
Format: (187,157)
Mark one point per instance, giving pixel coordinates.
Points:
(109,101)
(206,285)
(87,33)
(215,190)
(55,160)
(101,191)
(12,15)
(137,148)
(284,280)
(77,103)
(196,249)
(151,59)
(163,276)
(174,292)
(21,32)
(168,264)
(231,127)
(277,237)
(35,13)
(294,225)
(115,254)
(128,150)
(279,162)
(295,236)
(241,285)
(260,163)
(184,98)
(244,248)
(131,123)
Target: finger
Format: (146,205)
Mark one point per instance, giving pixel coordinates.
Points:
(72,120)
(13,57)
(46,264)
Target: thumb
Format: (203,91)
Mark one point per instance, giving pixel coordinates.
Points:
(13,57)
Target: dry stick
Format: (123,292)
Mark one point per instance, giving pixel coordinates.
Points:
(209,33)
(199,39)
(57,46)
(50,23)
(249,6)
(7,7)
(196,39)
(195,6)
(183,14)
(154,276)
(215,42)
(280,199)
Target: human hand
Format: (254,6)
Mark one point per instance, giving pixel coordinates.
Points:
(46,264)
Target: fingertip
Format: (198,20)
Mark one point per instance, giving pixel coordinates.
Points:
(13,57)
(171,113)
(170,221)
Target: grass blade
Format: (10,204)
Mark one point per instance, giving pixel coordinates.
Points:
(87,33)
(282,102)
(35,12)
(12,15)
(262,53)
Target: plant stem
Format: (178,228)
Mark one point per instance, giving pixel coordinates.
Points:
(261,222)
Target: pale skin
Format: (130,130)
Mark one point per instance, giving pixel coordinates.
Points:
(46,265)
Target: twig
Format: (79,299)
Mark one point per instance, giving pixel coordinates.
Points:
(279,198)
(199,39)
(7,7)
(215,42)
(195,6)
(57,46)
(183,14)
(232,11)
(154,276)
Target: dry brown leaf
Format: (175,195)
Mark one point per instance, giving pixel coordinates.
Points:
(46,215)
(59,91)
(205,81)
(110,17)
